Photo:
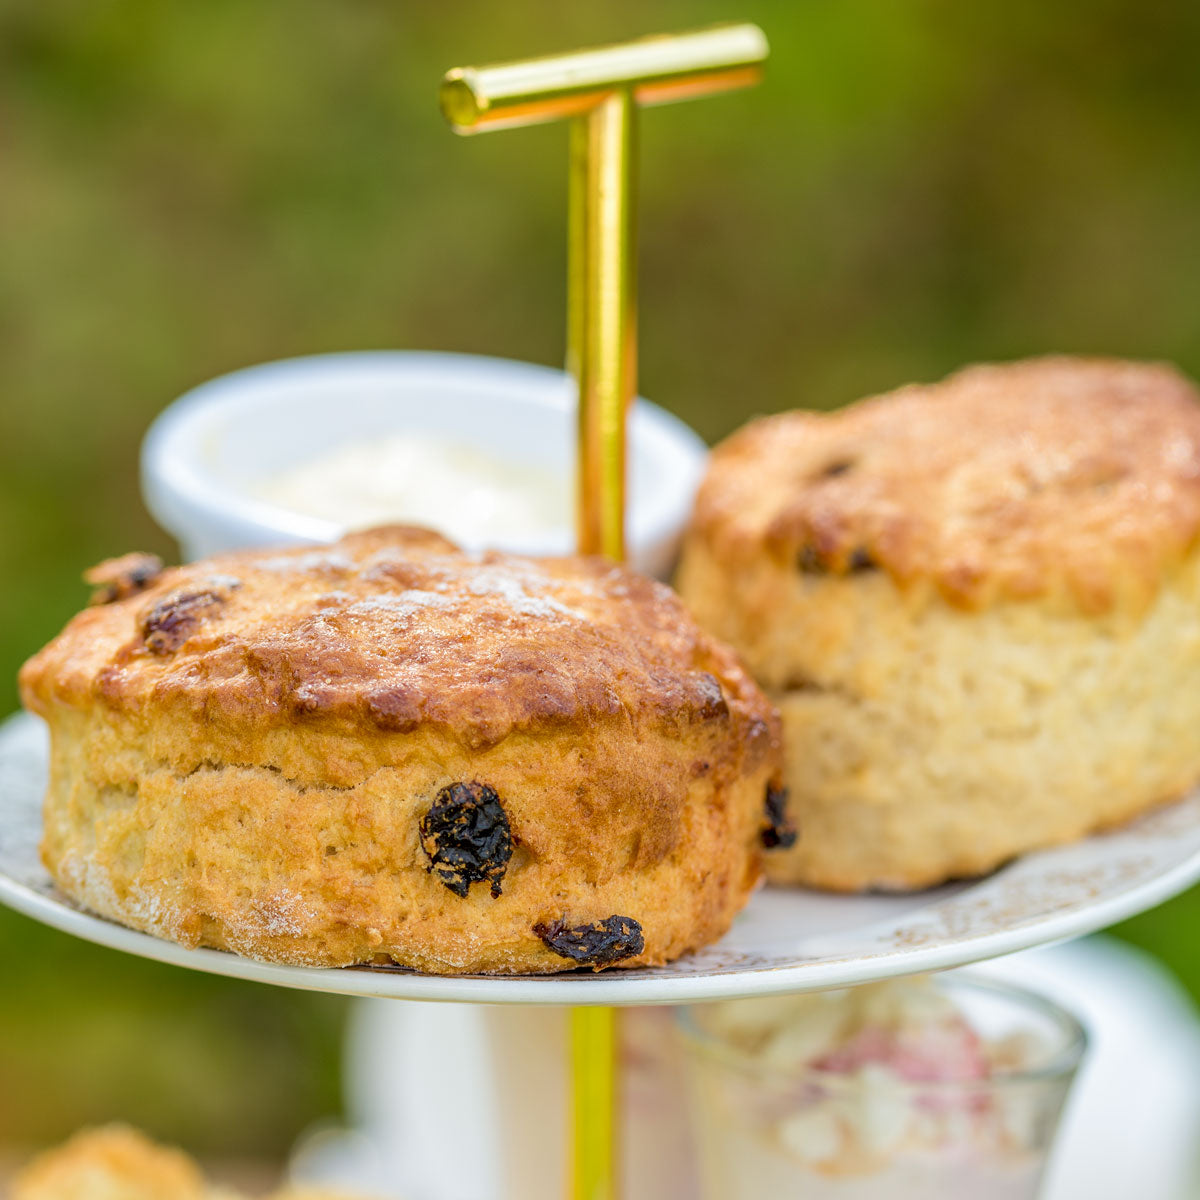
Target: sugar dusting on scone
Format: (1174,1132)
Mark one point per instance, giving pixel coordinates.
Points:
(389,751)
(977,605)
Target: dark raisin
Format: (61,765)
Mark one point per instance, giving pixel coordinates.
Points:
(467,837)
(838,467)
(810,562)
(597,944)
(171,621)
(117,578)
(713,703)
(799,681)
(778,832)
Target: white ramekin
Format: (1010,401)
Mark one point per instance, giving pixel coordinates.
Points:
(204,456)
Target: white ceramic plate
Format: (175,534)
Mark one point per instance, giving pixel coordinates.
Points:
(787,940)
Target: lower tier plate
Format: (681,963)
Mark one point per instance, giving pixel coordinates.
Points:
(786,940)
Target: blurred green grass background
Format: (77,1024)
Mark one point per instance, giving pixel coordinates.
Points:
(190,188)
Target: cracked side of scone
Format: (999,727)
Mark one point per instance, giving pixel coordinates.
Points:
(976,605)
(388,751)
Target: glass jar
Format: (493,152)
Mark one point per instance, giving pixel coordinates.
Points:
(766,1129)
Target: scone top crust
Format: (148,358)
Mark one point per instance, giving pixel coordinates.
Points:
(1052,476)
(393,630)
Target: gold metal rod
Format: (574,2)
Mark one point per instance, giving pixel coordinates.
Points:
(602,356)
(600,91)
(545,89)
(602,313)
(593,1166)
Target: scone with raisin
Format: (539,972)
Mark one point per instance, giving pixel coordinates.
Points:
(977,605)
(390,751)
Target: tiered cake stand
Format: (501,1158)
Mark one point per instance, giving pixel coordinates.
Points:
(787,940)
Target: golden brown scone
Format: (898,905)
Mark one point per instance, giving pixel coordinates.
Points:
(118,1163)
(388,750)
(113,1163)
(977,605)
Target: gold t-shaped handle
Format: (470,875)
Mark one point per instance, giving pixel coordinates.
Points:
(601,90)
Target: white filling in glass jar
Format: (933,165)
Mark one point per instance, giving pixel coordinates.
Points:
(913,1088)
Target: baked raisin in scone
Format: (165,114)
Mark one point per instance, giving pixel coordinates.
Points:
(977,605)
(389,751)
